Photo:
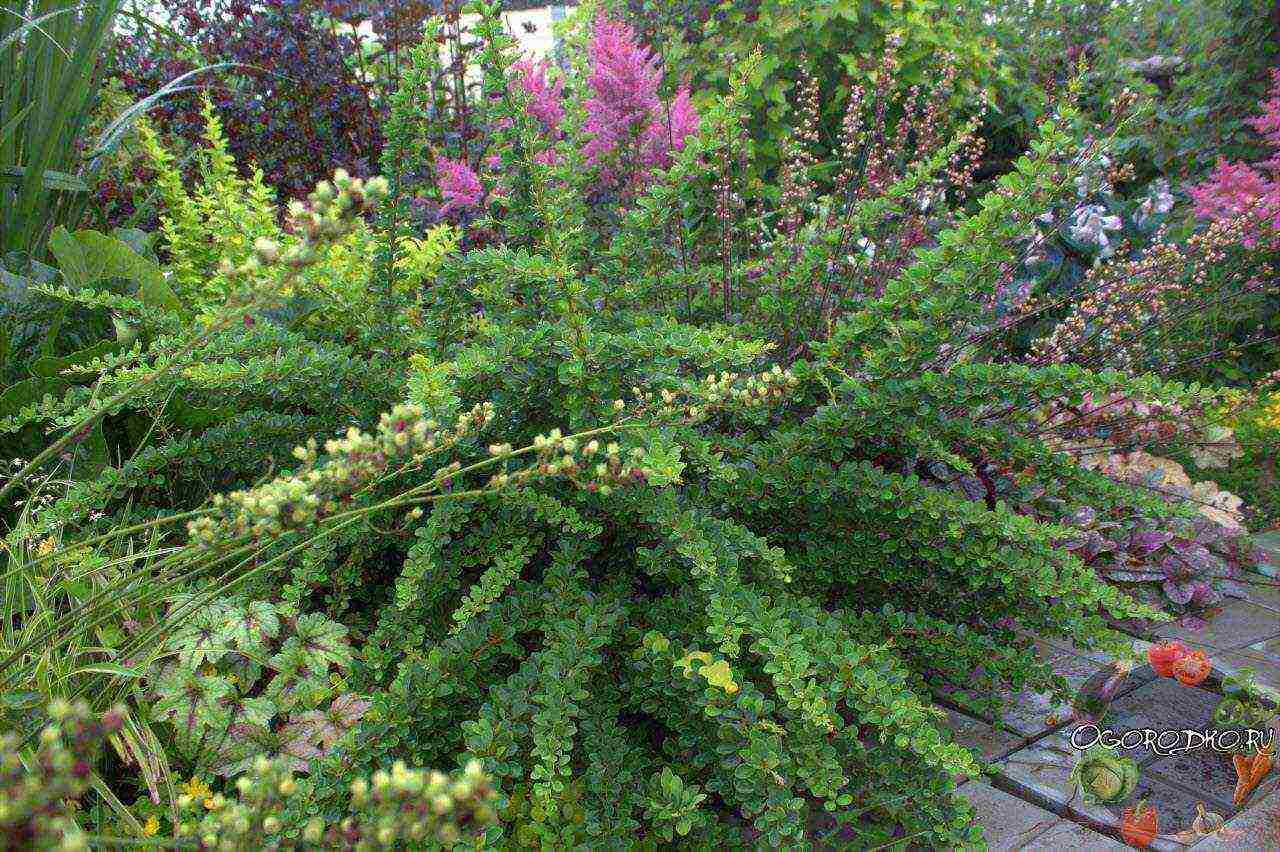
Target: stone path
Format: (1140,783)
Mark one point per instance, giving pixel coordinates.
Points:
(1027,802)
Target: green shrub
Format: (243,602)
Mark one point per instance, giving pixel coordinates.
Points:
(671,512)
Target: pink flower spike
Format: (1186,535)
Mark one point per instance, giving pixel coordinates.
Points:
(670,127)
(459,185)
(624,79)
(545,99)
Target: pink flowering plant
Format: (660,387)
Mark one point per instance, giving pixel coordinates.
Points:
(1236,189)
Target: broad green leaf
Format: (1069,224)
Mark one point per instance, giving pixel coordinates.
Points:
(88,257)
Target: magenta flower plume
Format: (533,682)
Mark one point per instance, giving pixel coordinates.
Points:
(1236,188)
(624,79)
(545,99)
(670,126)
(459,184)
(1232,189)
(1268,124)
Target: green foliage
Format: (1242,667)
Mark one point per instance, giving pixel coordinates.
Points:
(666,515)
(217,219)
(1203,62)
(242,684)
(828,42)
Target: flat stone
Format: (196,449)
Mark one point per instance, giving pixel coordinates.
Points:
(1258,827)
(1066,834)
(1164,705)
(1075,664)
(1264,590)
(1209,772)
(1239,623)
(1044,769)
(1263,658)
(1177,810)
(975,734)
(1010,823)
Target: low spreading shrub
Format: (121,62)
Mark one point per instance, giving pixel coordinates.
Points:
(662,502)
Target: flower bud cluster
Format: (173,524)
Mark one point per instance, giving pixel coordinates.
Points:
(1127,308)
(330,213)
(715,392)
(319,488)
(394,809)
(596,467)
(37,798)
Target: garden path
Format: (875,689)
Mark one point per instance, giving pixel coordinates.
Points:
(1027,802)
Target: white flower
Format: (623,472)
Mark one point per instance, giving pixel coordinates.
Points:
(1090,225)
(868,248)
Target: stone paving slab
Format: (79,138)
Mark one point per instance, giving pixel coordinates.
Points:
(1263,658)
(1240,623)
(1210,773)
(1043,770)
(1264,590)
(1256,828)
(1013,824)
(975,734)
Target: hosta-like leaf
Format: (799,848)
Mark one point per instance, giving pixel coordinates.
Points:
(324,643)
(189,699)
(251,627)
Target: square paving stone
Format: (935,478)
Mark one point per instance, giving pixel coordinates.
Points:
(1077,665)
(1164,704)
(1262,657)
(1209,772)
(1159,704)
(1044,769)
(1010,823)
(1177,809)
(1066,834)
(1264,590)
(1258,827)
(1269,542)
(1239,623)
(975,734)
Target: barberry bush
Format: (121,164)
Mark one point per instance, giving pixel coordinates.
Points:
(659,500)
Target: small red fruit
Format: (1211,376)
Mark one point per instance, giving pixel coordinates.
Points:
(1192,669)
(1164,658)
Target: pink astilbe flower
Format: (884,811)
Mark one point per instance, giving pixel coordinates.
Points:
(1234,189)
(624,80)
(459,185)
(668,130)
(1268,124)
(545,99)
